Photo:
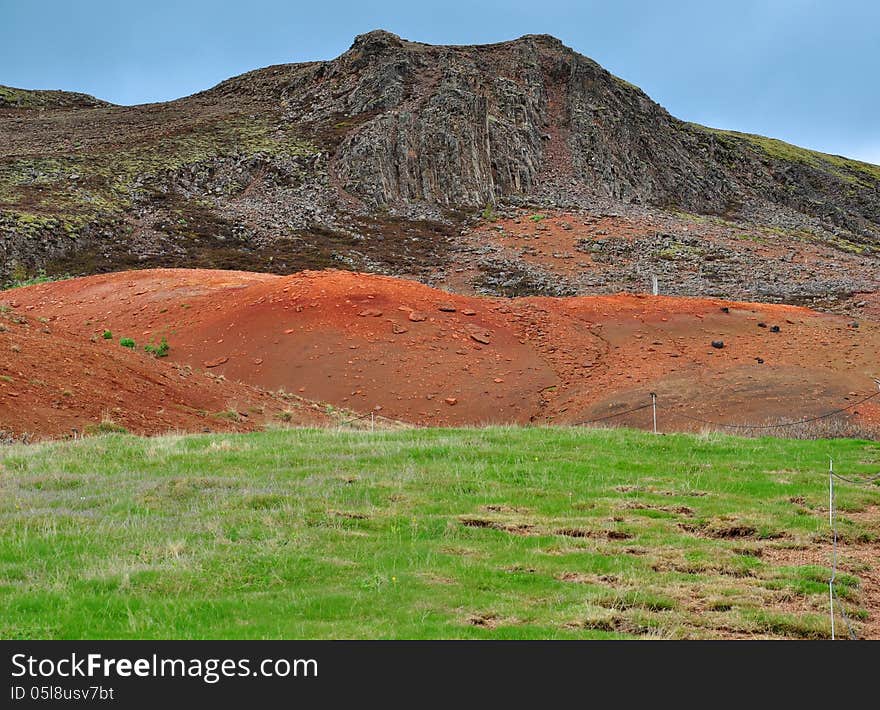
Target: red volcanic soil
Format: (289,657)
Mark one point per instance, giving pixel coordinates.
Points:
(56,382)
(413,353)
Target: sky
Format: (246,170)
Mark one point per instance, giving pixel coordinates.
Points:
(805,71)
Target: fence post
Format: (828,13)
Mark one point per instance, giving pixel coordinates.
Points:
(834,537)
(654,409)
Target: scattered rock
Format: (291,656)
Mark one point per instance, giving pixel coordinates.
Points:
(718,344)
(774,329)
(370,313)
(480,335)
(216,362)
(468,312)
(451,401)
(417,316)
(446,308)
(398,329)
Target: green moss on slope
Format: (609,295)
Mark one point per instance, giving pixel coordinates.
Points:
(79,186)
(11,97)
(845,168)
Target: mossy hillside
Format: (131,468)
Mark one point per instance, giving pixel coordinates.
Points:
(31,225)
(774,232)
(847,169)
(11,97)
(75,186)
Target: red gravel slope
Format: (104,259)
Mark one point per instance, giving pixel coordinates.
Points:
(414,353)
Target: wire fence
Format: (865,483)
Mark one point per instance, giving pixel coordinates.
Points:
(670,410)
(833,598)
(724,425)
(834,602)
(374,418)
(369,415)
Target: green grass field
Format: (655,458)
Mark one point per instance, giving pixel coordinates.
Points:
(429,533)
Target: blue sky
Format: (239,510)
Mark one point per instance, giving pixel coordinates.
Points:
(805,71)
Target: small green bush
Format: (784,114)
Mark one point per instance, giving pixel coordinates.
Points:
(127,343)
(107,335)
(160,350)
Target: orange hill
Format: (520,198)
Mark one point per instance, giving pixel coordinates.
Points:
(421,355)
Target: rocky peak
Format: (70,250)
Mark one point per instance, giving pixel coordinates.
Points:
(375,41)
(531,119)
(471,125)
(545,40)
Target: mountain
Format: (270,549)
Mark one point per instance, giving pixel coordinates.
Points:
(516,168)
